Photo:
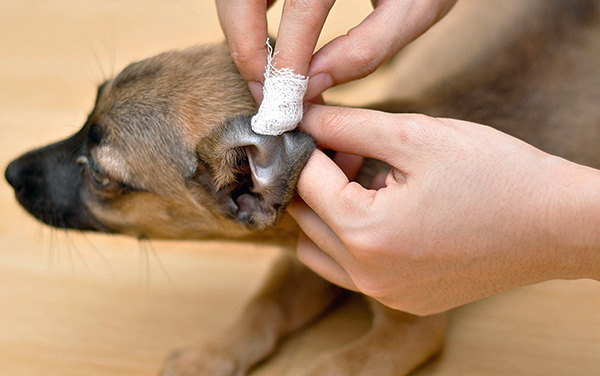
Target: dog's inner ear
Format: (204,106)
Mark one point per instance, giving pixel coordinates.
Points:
(251,176)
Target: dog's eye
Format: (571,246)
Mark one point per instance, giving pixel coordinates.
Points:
(93,171)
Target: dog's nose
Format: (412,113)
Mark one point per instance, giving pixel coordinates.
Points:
(13,174)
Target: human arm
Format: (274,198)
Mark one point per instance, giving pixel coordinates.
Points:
(466,212)
(391,26)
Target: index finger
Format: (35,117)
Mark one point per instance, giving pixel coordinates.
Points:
(299,30)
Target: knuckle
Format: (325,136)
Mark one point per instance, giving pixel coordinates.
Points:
(241,53)
(247,58)
(355,202)
(302,6)
(339,123)
(416,130)
(332,121)
(371,286)
(354,241)
(361,244)
(357,229)
(364,58)
(296,4)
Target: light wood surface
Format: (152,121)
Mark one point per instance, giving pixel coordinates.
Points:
(75,304)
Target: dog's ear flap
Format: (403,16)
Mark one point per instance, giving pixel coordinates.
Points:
(251,176)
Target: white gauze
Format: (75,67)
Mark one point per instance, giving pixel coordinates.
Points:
(281,109)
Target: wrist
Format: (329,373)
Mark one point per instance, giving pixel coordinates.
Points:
(574,221)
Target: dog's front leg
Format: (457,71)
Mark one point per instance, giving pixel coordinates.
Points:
(396,344)
(291,297)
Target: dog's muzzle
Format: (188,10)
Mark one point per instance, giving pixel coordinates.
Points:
(49,185)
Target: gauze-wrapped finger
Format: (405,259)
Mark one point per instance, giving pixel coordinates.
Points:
(282,107)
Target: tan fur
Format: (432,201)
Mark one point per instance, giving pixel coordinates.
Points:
(162,125)
(168,204)
(183,94)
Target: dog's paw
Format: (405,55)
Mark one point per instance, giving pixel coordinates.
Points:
(201,361)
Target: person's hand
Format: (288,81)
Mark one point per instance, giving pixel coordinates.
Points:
(392,25)
(465,212)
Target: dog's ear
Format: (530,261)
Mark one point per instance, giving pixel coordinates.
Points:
(251,176)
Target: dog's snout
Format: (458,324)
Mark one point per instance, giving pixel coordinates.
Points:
(13,174)
(48,183)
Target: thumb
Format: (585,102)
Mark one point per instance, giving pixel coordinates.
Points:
(397,139)
(326,189)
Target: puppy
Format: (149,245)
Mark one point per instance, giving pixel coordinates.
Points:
(167,152)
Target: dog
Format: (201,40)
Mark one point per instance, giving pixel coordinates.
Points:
(167,152)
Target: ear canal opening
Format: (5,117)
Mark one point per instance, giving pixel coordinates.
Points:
(243,195)
(253,176)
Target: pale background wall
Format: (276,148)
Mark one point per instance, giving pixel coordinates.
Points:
(73,304)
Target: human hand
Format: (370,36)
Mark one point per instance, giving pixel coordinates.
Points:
(392,25)
(465,212)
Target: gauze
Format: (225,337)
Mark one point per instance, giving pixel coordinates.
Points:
(283,92)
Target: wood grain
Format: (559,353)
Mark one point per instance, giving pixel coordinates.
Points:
(94,305)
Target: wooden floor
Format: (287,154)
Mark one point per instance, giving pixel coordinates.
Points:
(73,304)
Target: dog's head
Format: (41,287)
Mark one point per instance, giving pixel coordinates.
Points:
(167,152)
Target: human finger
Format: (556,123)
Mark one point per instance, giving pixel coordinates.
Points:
(319,247)
(327,191)
(318,231)
(321,263)
(390,27)
(299,30)
(244,23)
(392,138)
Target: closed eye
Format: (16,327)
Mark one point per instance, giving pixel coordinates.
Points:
(99,179)
(97,176)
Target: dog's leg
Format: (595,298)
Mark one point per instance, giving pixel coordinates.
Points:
(291,297)
(396,344)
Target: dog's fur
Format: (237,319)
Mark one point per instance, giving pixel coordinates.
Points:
(167,153)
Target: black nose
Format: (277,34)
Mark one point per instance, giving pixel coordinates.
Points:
(13,174)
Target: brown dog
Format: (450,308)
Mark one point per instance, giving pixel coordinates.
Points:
(167,153)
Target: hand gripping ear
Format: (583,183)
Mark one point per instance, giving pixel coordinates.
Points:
(251,176)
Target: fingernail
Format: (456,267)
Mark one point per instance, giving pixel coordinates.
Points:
(317,85)
(256,88)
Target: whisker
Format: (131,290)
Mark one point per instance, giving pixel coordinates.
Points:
(82,259)
(60,220)
(72,152)
(156,256)
(98,63)
(30,225)
(40,237)
(99,253)
(51,243)
(51,250)
(112,50)
(70,243)
(144,263)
